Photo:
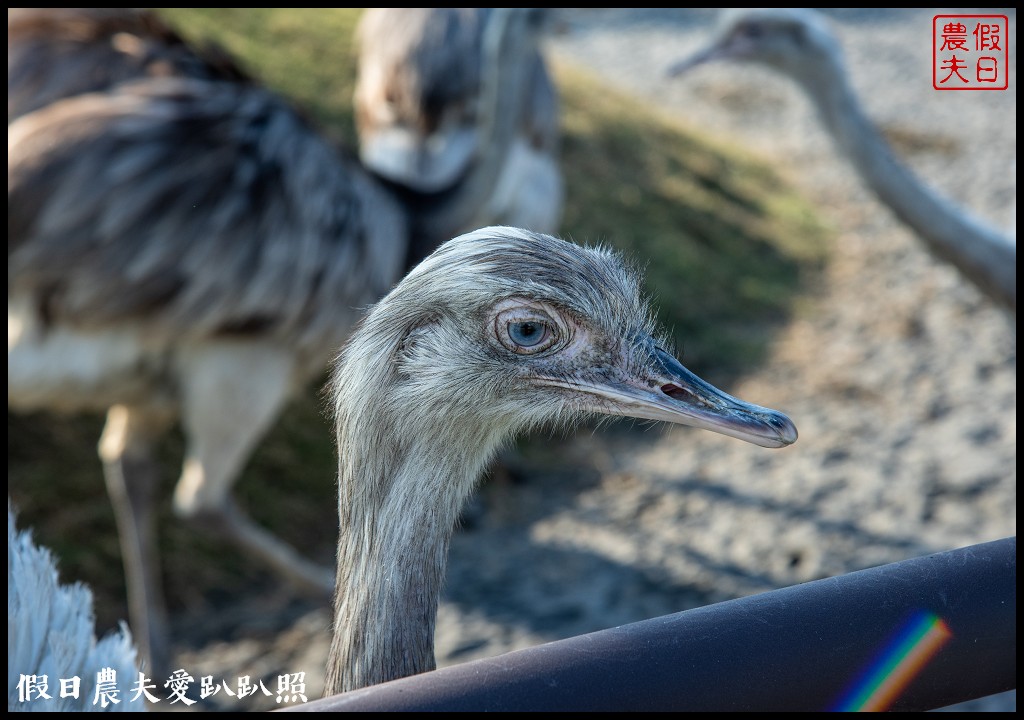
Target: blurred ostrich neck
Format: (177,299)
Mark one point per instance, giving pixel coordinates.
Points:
(985,256)
(398,506)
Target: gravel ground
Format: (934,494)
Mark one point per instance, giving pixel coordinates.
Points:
(899,375)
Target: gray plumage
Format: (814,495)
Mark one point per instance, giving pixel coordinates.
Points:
(499,331)
(55,53)
(798,43)
(181,245)
(209,209)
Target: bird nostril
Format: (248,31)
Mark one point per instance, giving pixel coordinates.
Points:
(675,392)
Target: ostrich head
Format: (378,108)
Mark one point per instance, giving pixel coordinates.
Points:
(415,98)
(430,82)
(497,331)
(794,41)
(503,329)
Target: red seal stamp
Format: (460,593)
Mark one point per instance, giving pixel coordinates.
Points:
(970,52)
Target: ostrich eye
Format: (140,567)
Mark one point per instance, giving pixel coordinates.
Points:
(751,30)
(527,333)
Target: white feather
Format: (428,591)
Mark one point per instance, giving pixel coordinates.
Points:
(51,632)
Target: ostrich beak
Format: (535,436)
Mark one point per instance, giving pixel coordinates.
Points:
(708,54)
(658,387)
(730,47)
(425,164)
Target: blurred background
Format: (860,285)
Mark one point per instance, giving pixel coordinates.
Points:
(783,280)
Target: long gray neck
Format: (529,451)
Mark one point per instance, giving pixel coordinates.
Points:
(985,256)
(398,504)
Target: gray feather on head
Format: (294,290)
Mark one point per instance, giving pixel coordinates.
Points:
(435,326)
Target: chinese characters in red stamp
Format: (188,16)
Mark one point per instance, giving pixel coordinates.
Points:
(970,52)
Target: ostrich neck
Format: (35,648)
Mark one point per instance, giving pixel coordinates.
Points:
(982,254)
(397,509)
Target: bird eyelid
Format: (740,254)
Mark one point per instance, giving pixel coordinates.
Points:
(512,318)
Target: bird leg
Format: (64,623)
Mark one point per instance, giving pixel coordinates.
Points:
(232,395)
(231,521)
(132,477)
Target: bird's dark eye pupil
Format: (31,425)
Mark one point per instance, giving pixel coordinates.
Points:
(526,333)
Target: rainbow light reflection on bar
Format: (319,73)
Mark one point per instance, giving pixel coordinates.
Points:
(911,648)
